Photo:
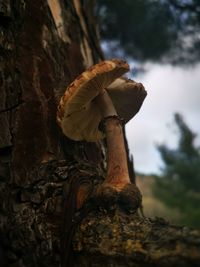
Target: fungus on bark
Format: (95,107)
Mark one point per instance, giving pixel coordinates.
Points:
(86,104)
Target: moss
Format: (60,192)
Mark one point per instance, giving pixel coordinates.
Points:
(132,239)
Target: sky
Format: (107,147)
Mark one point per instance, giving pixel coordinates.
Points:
(170,89)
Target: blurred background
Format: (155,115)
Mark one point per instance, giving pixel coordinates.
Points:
(161,41)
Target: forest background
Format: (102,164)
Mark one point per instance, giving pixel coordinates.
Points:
(161,40)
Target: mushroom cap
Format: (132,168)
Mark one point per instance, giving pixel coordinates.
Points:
(127,97)
(79,116)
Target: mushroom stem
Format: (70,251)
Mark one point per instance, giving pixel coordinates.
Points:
(117,169)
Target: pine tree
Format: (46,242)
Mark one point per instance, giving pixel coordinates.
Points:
(179,184)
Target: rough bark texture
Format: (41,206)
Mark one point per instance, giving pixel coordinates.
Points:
(117,239)
(44,45)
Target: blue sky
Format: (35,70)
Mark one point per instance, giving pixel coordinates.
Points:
(170,89)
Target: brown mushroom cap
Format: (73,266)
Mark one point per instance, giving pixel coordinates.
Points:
(127,97)
(78,115)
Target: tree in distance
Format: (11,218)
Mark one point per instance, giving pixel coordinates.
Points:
(179,184)
(164,31)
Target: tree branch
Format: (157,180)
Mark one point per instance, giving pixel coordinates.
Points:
(129,240)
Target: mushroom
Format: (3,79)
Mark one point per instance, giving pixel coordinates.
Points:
(127,97)
(86,104)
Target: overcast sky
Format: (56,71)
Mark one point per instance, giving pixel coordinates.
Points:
(170,89)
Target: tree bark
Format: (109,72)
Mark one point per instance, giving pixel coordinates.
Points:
(44,45)
(118,239)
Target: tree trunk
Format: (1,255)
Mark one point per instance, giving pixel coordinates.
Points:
(44,45)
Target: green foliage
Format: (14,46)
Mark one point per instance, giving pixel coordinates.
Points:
(179,185)
(164,30)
